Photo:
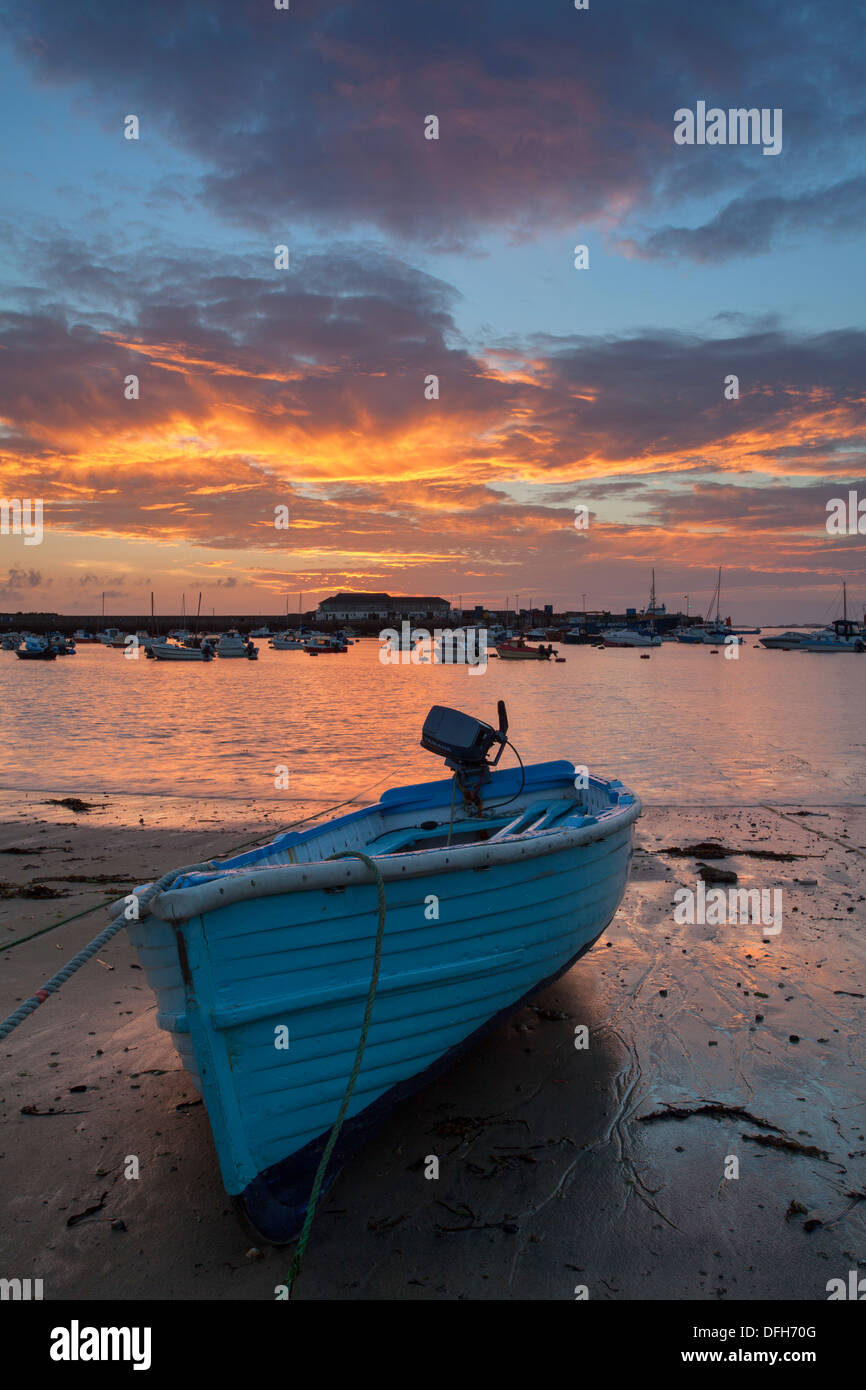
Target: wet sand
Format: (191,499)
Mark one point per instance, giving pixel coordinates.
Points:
(558,1167)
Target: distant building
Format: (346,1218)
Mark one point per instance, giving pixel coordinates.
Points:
(364,607)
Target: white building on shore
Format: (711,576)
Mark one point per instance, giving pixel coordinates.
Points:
(378,607)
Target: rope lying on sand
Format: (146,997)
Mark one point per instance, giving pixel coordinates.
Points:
(121,920)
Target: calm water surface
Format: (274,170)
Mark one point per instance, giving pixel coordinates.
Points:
(685,726)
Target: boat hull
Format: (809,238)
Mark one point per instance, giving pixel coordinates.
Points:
(164,652)
(275,1202)
(632,642)
(831,647)
(283,939)
(522,654)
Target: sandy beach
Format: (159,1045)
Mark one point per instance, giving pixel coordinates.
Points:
(560,1167)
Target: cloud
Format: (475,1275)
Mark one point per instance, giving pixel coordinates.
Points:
(257,392)
(751,226)
(316,115)
(21,579)
(308,392)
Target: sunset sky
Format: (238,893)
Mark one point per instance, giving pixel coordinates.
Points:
(305,387)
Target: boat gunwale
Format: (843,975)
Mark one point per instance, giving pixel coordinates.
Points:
(178,905)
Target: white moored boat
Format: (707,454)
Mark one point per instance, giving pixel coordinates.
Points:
(786,641)
(231,644)
(169,651)
(842,636)
(630,637)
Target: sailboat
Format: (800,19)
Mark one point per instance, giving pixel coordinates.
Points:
(288,641)
(843,636)
(636,637)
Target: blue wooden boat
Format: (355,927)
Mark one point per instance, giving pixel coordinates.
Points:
(487,902)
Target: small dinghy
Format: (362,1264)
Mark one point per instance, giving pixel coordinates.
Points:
(371,950)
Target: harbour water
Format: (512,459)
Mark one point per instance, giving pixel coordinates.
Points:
(685,727)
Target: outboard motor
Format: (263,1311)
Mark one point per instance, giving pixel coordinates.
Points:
(464,743)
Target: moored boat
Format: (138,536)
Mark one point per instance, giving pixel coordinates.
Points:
(843,635)
(36,649)
(171,651)
(630,637)
(519,651)
(324,646)
(232,644)
(526,874)
(785,641)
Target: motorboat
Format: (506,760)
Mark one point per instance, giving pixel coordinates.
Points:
(173,651)
(630,637)
(517,650)
(264,964)
(36,649)
(324,646)
(232,644)
(785,641)
(843,635)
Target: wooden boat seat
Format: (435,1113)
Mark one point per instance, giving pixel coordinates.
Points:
(545,813)
(540,816)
